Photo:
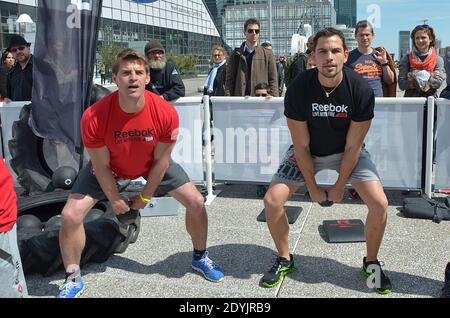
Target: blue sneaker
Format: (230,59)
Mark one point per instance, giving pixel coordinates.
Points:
(71,289)
(208,268)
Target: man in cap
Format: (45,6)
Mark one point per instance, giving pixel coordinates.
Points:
(164,77)
(20,78)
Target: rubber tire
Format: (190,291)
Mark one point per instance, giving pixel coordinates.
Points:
(26,156)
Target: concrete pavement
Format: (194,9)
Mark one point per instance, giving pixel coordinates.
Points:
(415,253)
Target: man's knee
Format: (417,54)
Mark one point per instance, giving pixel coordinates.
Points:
(272,202)
(379,206)
(196,202)
(72,216)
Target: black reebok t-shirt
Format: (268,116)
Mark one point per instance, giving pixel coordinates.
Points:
(328,118)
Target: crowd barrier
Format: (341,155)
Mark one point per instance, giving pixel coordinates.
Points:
(442,167)
(250,137)
(187,151)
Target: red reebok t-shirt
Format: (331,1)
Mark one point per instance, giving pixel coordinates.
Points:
(130,138)
(8,199)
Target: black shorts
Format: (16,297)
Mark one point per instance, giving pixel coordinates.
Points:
(87,184)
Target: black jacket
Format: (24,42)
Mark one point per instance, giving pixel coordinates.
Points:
(166,82)
(3,80)
(20,82)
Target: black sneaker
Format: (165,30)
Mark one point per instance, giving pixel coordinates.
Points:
(280,268)
(446,288)
(384,287)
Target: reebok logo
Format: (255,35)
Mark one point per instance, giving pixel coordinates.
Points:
(145,135)
(329,110)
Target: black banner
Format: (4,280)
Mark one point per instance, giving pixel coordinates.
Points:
(64,58)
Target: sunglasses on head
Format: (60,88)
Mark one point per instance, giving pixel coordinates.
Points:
(261,95)
(20,48)
(256,31)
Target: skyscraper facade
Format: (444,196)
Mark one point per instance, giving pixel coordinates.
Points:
(404,43)
(345,12)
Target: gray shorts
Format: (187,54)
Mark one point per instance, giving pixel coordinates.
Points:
(289,173)
(87,183)
(12,280)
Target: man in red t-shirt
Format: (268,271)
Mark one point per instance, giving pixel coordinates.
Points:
(129,134)
(12,280)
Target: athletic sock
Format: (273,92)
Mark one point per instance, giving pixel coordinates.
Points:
(198,254)
(74,277)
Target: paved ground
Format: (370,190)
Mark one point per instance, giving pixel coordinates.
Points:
(415,253)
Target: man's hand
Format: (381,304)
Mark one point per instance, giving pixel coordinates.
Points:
(380,56)
(319,195)
(335,194)
(120,206)
(136,203)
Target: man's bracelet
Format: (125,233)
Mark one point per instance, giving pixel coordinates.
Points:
(144,199)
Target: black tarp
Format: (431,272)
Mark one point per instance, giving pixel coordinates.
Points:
(64,57)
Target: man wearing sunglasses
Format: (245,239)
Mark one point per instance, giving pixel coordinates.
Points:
(20,78)
(251,64)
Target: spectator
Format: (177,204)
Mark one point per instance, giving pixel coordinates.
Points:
(20,78)
(5,67)
(164,78)
(421,72)
(12,280)
(215,82)
(280,67)
(374,65)
(102,72)
(250,64)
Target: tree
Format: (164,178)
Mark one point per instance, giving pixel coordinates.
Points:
(184,63)
(109,54)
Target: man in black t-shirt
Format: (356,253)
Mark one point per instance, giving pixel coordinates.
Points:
(329,111)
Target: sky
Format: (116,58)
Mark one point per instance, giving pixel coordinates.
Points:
(392,16)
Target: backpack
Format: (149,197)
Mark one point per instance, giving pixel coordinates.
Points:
(426,208)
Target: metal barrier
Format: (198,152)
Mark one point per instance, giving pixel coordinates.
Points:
(251,136)
(442,167)
(187,152)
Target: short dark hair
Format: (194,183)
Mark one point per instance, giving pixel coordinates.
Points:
(327,33)
(251,21)
(428,29)
(261,86)
(363,24)
(129,55)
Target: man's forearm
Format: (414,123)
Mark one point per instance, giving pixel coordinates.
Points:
(154,178)
(349,161)
(107,183)
(306,166)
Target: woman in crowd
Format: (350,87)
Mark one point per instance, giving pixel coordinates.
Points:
(421,72)
(5,67)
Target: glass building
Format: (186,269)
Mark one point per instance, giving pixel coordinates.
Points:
(288,18)
(404,43)
(345,12)
(184,27)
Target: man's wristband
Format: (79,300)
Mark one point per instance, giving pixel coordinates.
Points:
(144,199)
